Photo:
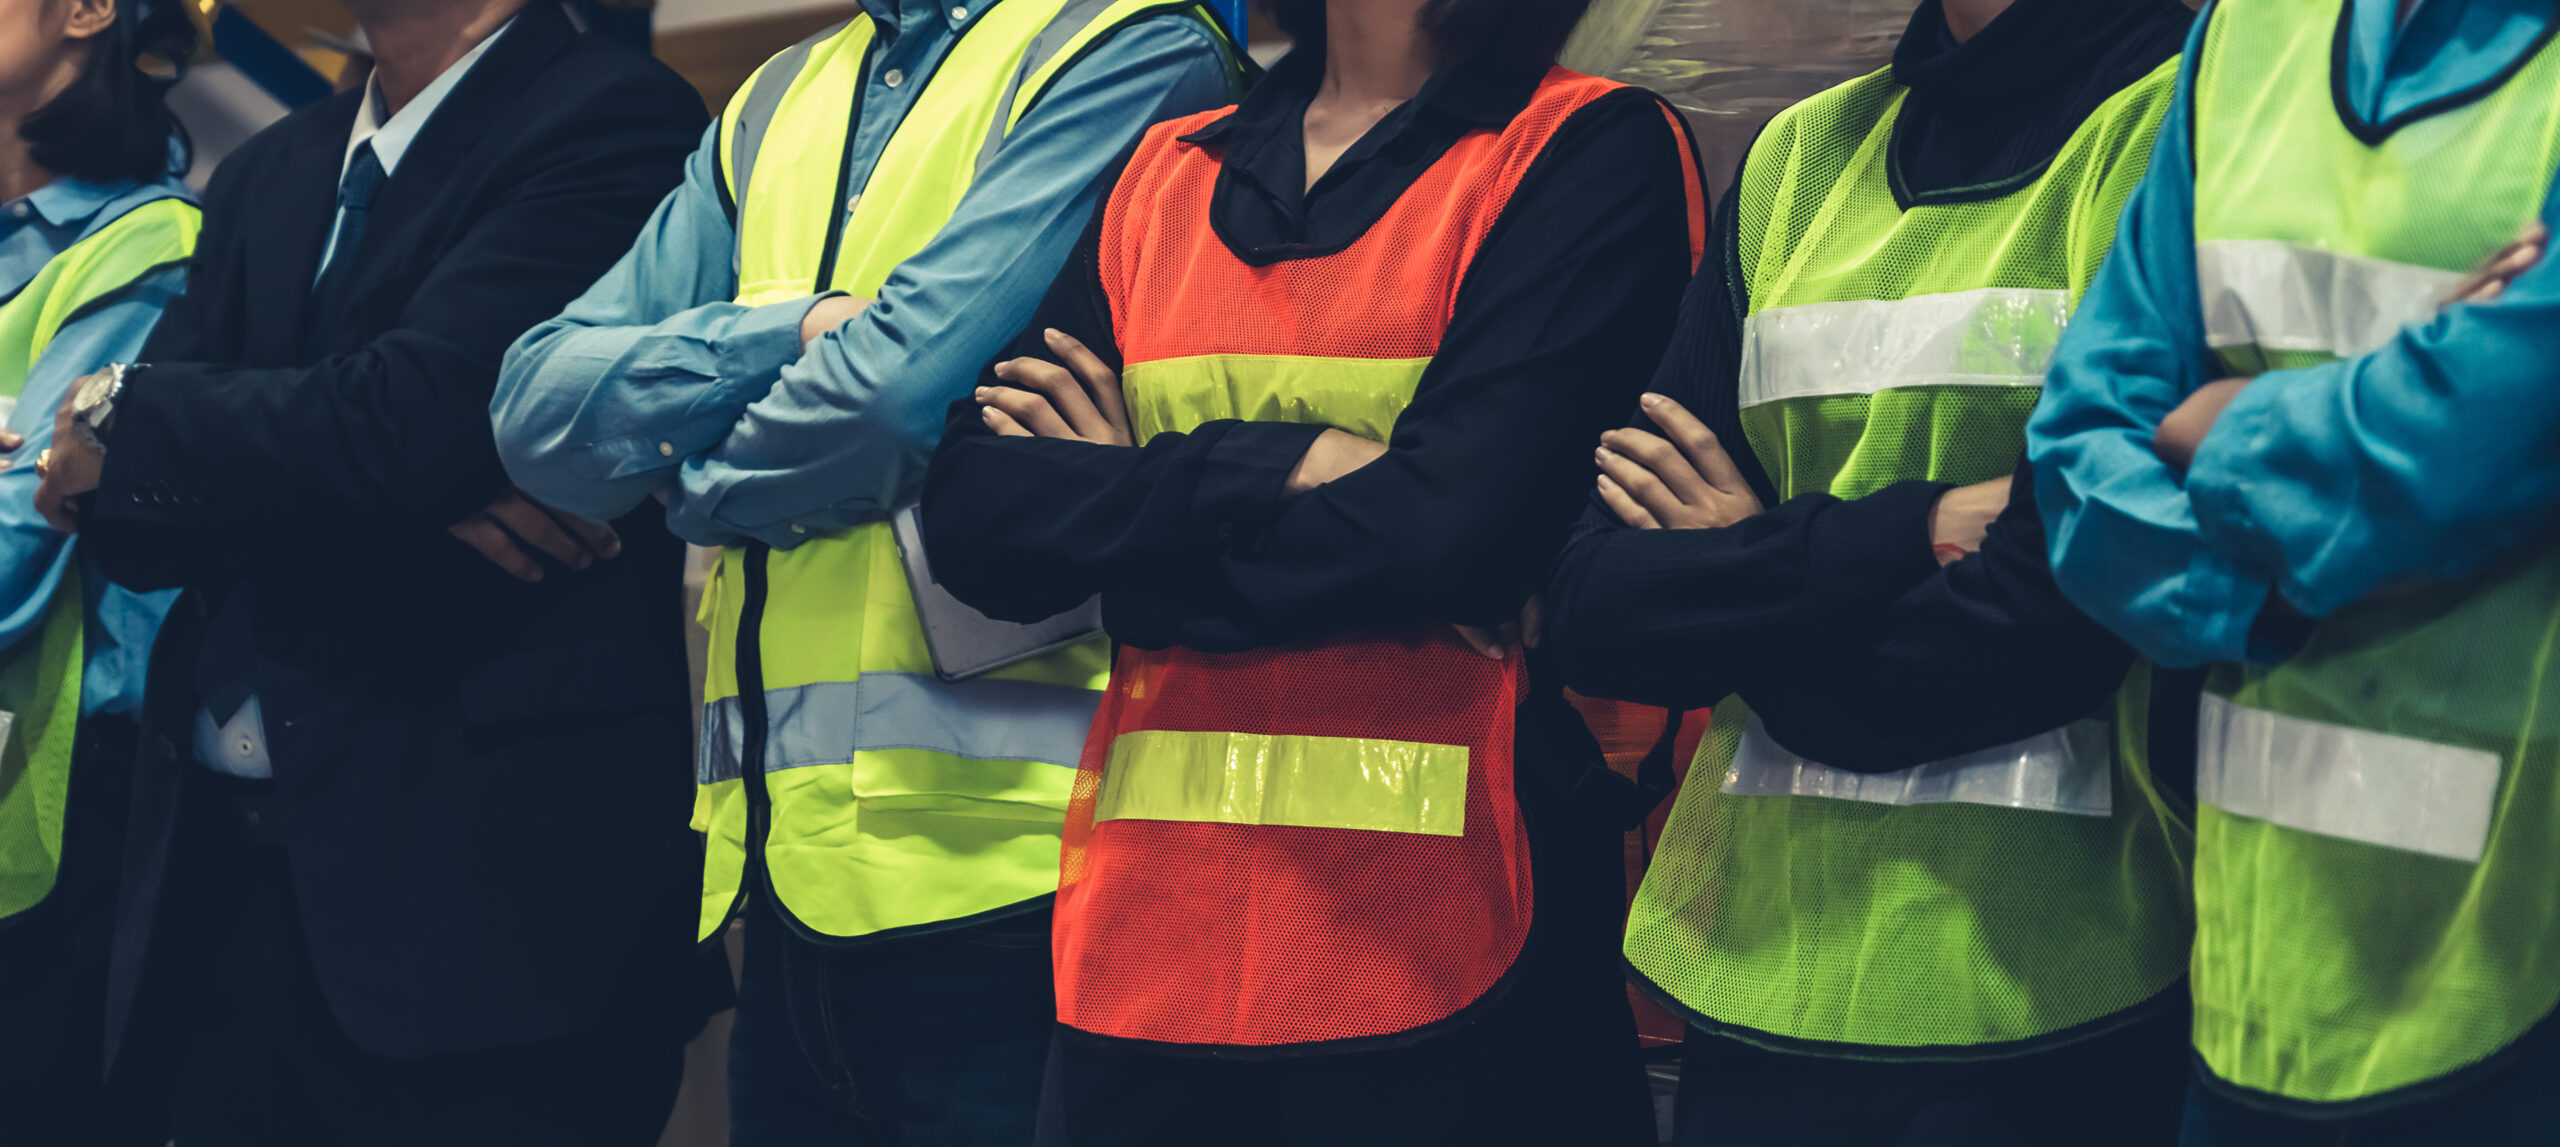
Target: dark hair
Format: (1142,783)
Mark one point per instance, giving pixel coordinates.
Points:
(113,123)
(1507,33)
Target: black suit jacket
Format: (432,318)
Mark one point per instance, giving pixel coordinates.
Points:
(481,784)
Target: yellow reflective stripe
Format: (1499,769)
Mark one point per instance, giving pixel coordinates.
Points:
(1309,782)
(1359,396)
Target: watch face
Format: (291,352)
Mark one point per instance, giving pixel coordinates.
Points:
(94,391)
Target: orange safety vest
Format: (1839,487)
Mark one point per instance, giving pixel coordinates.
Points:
(1316,842)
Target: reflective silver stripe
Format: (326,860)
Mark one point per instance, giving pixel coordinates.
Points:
(2286,297)
(774,80)
(2067,770)
(1996,336)
(1053,39)
(827,723)
(2356,784)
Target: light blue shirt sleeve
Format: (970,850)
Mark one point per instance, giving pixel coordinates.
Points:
(2125,542)
(844,435)
(33,558)
(595,409)
(2428,458)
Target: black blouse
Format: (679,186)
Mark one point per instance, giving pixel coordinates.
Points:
(1188,537)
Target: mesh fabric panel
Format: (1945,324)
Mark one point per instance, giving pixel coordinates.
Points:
(1284,935)
(1945,930)
(2330,969)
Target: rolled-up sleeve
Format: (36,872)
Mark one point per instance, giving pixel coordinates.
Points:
(2427,458)
(845,434)
(2124,540)
(597,409)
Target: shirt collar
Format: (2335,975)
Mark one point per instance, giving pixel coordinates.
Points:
(1475,94)
(391,139)
(952,12)
(67,201)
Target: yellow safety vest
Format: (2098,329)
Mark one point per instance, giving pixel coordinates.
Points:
(40,679)
(2378,842)
(871,796)
(1987,905)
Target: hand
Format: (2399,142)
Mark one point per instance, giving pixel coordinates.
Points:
(66,470)
(1048,401)
(2182,433)
(2490,278)
(1654,486)
(1333,454)
(831,312)
(1496,642)
(512,529)
(1963,515)
(9,441)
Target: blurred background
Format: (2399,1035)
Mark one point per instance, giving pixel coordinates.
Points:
(1728,65)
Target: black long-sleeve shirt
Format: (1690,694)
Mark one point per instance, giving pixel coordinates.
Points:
(1833,618)
(1188,537)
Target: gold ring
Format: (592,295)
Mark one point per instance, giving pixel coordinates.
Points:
(44,464)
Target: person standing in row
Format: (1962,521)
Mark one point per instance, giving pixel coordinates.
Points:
(2267,447)
(95,230)
(1933,852)
(873,216)
(410,858)
(1324,879)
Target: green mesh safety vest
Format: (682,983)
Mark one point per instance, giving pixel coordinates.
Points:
(1967,908)
(40,677)
(2378,848)
(873,797)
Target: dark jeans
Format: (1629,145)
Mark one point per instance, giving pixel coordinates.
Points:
(1551,1062)
(935,1040)
(2512,1103)
(2120,1089)
(53,972)
(261,1062)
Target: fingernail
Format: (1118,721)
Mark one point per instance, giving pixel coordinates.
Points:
(983,391)
(1051,334)
(1649,401)
(1605,454)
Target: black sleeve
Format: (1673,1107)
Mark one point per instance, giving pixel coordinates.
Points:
(394,438)
(1562,315)
(1984,652)
(1684,618)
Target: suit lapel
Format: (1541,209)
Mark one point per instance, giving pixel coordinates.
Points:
(411,197)
(300,206)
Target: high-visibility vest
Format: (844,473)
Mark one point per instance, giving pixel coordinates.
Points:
(1975,907)
(2378,847)
(867,796)
(1315,842)
(40,678)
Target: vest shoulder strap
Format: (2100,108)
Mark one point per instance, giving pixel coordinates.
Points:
(736,154)
(155,234)
(1080,27)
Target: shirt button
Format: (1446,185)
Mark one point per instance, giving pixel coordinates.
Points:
(798,528)
(894,78)
(959,13)
(247,746)
(852,203)
(21,210)
(666,450)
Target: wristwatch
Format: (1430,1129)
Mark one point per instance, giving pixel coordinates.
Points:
(94,407)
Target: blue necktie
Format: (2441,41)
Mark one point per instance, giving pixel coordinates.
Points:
(355,199)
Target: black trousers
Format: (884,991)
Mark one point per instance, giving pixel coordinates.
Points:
(259,1060)
(53,973)
(2121,1089)
(933,1040)
(1551,1061)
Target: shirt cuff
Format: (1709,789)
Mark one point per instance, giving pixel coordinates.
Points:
(2218,606)
(1242,478)
(1867,551)
(763,340)
(2219,483)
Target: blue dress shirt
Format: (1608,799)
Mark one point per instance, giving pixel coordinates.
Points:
(33,558)
(655,381)
(2427,458)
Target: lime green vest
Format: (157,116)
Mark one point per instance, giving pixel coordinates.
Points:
(1967,908)
(2378,851)
(872,796)
(40,678)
